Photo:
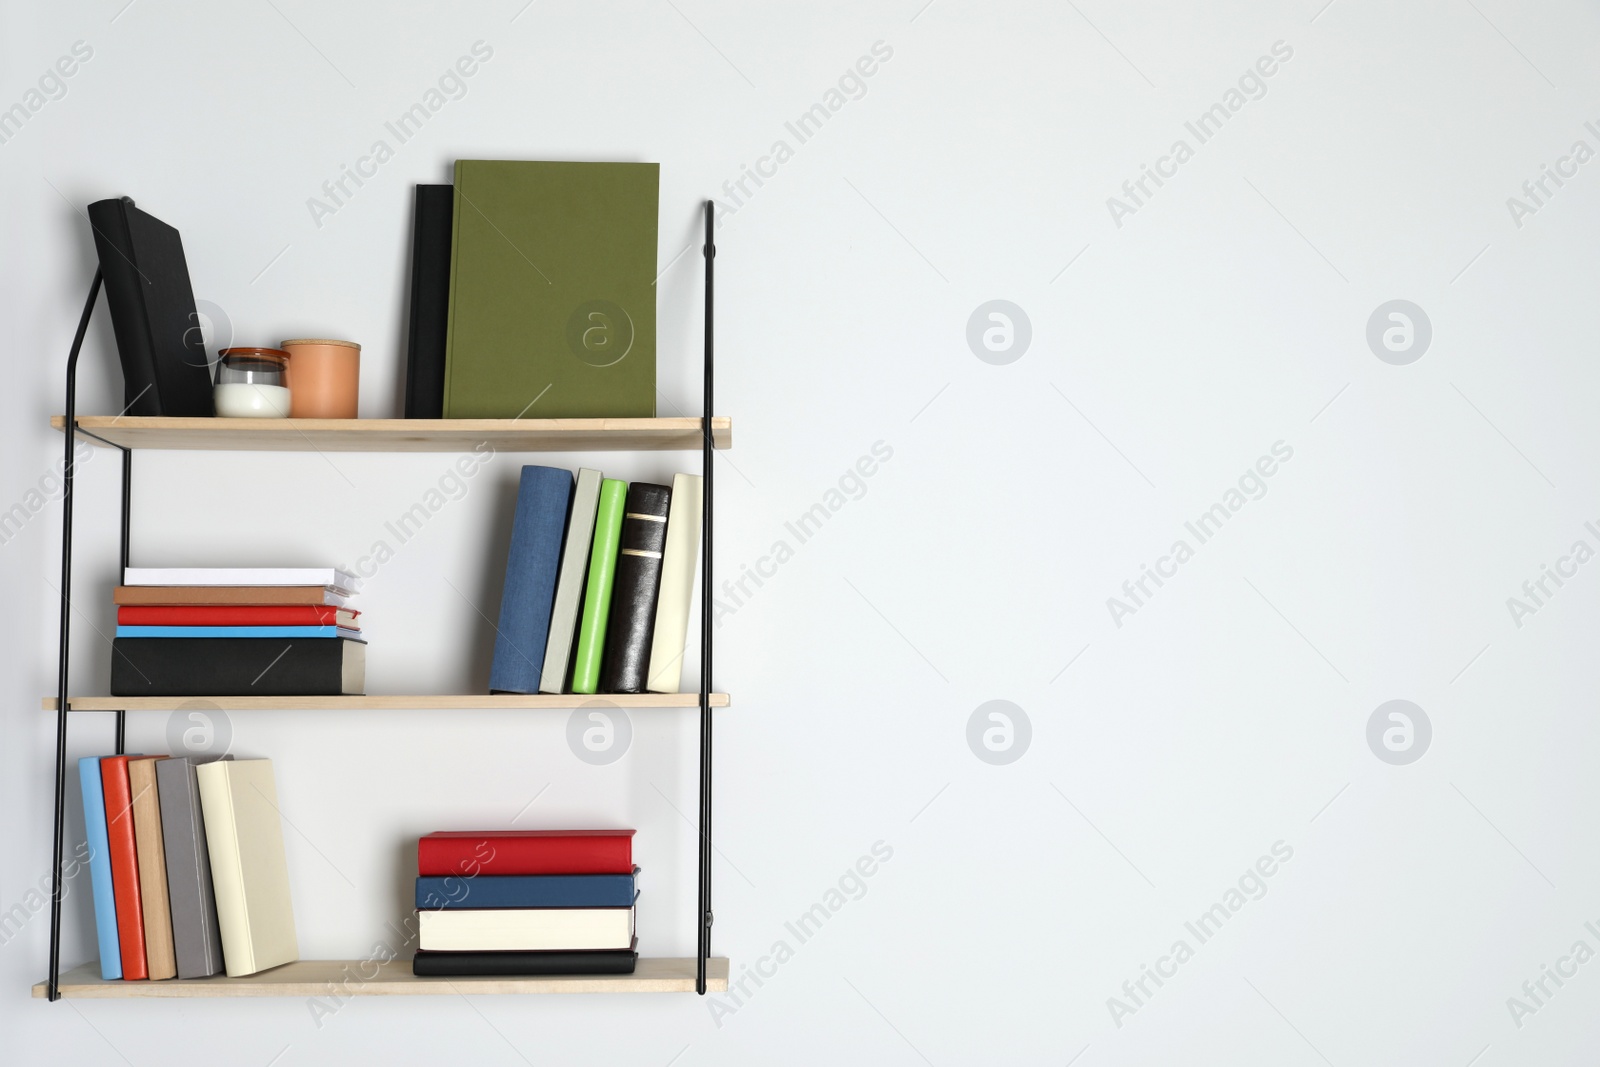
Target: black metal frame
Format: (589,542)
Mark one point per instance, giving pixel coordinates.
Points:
(71,431)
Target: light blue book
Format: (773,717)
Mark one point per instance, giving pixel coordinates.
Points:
(238,631)
(105,903)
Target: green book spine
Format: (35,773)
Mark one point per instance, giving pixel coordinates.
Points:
(597,594)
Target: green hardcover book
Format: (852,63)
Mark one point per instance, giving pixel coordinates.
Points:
(597,595)
(552,291)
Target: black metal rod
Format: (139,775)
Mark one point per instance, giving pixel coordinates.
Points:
(70,428)
(706,617)
(127,537)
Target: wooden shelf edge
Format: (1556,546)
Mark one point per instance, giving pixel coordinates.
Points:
(344,978)
(399,435)
(421,702)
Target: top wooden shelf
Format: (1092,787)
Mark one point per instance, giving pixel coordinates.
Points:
(400,435)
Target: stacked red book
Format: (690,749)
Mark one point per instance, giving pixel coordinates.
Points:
(526,902)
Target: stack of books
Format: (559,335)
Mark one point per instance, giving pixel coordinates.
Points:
(598,584)
(237,631)
(187,866)
(526,902)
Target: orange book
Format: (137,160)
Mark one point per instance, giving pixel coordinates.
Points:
(124,864)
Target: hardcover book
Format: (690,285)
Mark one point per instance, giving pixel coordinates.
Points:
(597,590)
(678,563)
(513,964)
(196,936)
(124,852)
(626,663)
(151,853)
(199,595)
(237,666)
(250,876)
(525,928)
(99,859)
(191,632)
(237,615)
(543,497)
(570,582)
(430,300)
(159,342)
(339,581)
(552,291)
(529,891)
(470,853)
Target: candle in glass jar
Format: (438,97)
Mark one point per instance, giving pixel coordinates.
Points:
(246,400)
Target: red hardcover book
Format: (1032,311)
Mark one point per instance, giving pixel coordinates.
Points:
(236,615)
(124,864)
(470,852)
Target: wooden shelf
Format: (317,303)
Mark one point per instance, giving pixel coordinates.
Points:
(400,435)
(424,702)
(315,978)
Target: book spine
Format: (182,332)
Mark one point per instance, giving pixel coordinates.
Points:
(192,632)
(99,858)
(227,871)
(510,964)
(532,563)
(195,937)
(569,586)
(472,856)
(529,891)
(430,301)
(160,960)
(526,929)
(626,663)
(227,615)
(678,564)
(230,666)
(597,591)
(124,865)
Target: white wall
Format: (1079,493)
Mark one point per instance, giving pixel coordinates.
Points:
(1171,348)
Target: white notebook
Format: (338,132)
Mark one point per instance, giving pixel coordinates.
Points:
(249,874)
(524,929)
(678,562)
(331,577)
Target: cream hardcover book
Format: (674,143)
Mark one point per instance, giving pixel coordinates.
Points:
(678,562)
(244,835)
(524,929)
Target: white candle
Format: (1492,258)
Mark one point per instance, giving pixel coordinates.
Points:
(244,400)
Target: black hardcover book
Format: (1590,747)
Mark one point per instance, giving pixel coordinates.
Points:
(430,300)
(163,354)
(237,666)
(625,664)
(514,964)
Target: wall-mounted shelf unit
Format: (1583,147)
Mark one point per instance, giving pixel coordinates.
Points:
(700,973)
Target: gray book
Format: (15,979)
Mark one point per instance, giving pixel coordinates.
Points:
(196,936)
(570,581)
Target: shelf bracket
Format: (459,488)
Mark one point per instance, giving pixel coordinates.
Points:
(707,598)
(62,654)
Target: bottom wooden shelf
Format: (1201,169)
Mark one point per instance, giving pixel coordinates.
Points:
(343,978)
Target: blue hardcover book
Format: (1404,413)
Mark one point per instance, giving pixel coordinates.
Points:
(239,631)
(528,891)
(543,499)
(105,903)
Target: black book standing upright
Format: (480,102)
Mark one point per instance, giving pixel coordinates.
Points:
(430,300)
(625,666)
(163,354)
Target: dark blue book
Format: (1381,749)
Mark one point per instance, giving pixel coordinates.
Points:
(543,499)
(528,891)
